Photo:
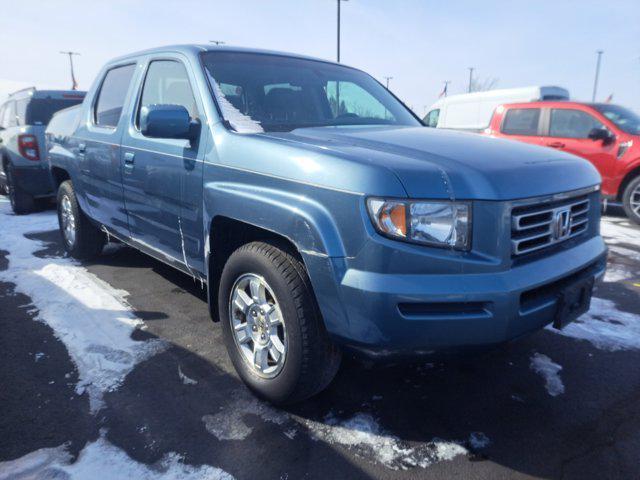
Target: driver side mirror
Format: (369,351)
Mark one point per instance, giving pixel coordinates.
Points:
(602,134)
(167,121)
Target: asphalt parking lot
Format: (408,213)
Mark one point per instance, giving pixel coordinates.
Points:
(115,366)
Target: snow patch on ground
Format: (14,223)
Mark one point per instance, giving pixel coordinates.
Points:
(89,316)
(617,273)
(362,434)
(101,459)
(606,327)
(229,424)
(186,380)
(550,371)
(618,231)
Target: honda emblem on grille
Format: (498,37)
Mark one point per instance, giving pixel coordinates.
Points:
(561,223)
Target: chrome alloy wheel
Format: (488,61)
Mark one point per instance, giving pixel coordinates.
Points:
(258,326)
(634,200)
(68,221)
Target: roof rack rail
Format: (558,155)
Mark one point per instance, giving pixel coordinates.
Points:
(21,90)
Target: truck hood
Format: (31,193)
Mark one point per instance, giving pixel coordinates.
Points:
(432,163)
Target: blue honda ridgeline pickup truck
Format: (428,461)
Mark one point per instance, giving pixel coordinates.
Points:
(320,213)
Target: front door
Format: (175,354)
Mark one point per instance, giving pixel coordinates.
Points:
(569,131)
(162,177)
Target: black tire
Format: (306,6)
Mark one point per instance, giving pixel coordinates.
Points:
(633,189)
(311,359)
(88,240)
(21,202)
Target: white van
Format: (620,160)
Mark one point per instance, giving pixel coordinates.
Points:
(473,111)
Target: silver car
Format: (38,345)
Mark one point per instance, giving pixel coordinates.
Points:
(24,172)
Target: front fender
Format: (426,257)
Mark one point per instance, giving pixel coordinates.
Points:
(306,223)
(302,220)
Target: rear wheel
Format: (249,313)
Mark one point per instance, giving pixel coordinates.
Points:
(82,239)
(272,327)
(21,202)
(631,200)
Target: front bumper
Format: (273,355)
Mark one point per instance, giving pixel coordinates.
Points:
(420,314)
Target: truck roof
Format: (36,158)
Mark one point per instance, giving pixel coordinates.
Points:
(194,49)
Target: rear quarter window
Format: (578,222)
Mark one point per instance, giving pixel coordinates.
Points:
(521,121)
(113,92)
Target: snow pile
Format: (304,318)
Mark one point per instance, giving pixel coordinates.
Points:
(550,371)
(90,317)
(606,327)
(102,460)
(363,435)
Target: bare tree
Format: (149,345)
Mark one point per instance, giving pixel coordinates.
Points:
(482,85)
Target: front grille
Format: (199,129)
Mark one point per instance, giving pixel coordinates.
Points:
(539,225)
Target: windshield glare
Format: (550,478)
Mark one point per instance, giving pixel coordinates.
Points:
(272,93)
(625,119)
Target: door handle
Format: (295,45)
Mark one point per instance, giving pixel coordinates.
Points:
(129,158)
(555,145)
(82,148)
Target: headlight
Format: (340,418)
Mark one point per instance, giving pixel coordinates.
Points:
(437,223)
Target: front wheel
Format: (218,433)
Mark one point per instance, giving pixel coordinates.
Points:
(272,327)
(631,200)
(82,239)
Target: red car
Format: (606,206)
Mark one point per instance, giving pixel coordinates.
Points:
(606,135)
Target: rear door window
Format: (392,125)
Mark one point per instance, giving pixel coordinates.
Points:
(521,121)
(21,111)
(567,123)
(113,92)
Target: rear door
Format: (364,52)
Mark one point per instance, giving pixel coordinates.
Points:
(569,131)
(523,124)
(162,177)
(98,149)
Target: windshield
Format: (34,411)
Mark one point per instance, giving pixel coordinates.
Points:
(272,93)
(625,119)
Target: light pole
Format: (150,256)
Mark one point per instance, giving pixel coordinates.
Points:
(74,84)
(387,79)
(339,2)
(471,69)
(595,82)
(217,42)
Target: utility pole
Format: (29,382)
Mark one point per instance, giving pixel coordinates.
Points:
(74,84)
(595,82)
(339,2)
(471,69)
(217,42)
(387,79)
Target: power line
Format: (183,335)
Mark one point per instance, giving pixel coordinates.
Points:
(217,42)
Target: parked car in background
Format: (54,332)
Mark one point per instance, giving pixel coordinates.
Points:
(24,171)
(472,111)
(320,213)
(607,135)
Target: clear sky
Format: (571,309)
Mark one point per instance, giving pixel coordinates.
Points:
(419,43)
